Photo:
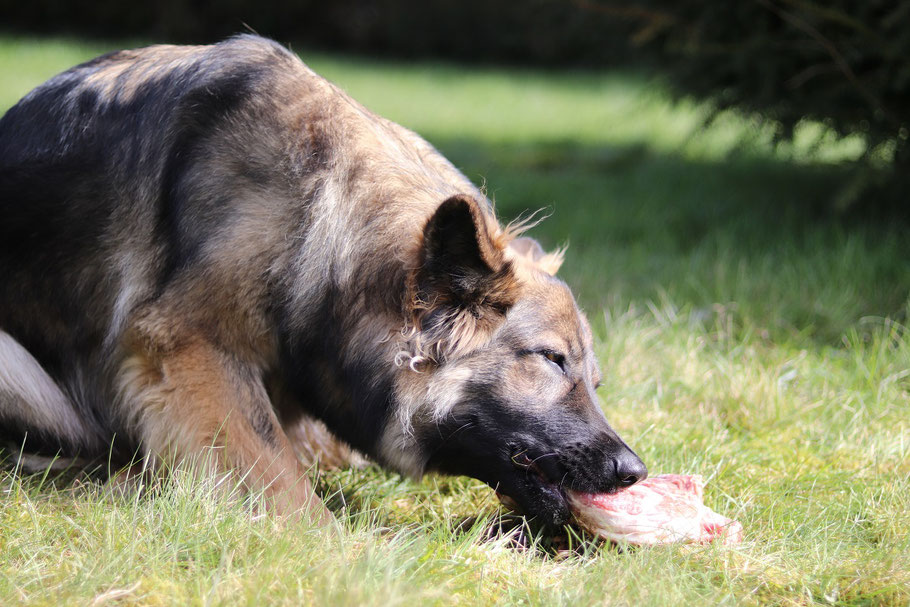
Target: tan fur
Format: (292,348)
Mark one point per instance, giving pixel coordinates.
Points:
(316,445)
(192,397)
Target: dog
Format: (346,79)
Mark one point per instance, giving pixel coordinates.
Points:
(214,247)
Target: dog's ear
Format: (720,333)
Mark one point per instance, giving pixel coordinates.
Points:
(464,285)
(457,246)
(530,250)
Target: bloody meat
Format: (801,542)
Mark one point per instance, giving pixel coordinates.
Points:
(659,510)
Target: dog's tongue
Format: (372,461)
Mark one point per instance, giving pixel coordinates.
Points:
(659,510)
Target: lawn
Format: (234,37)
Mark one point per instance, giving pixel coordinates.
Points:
(745,334)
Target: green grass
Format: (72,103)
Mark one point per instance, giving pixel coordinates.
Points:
(744,335)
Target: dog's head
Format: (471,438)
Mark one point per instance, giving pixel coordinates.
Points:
(499,376)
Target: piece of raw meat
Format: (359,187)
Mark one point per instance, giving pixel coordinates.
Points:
(659,510)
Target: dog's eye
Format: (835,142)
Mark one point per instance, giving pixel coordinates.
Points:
(556,358)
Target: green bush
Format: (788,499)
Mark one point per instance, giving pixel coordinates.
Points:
(842,62)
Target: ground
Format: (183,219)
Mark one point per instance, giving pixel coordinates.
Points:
(746,333)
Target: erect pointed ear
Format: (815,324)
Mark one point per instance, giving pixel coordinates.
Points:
(530,250)
(456,242)
(464,284)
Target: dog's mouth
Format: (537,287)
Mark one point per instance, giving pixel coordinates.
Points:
(535,487)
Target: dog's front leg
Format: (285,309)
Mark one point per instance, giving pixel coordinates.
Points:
(192,398)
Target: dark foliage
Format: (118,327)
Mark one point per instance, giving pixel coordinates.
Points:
(843,62)
(532,32)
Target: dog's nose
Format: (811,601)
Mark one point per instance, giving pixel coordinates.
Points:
(629,469)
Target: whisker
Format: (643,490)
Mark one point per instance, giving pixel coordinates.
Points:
(534,461)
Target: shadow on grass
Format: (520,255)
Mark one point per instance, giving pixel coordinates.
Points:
(642,192)
(387,502)
(756,235)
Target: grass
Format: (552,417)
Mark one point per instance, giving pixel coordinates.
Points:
(745,334)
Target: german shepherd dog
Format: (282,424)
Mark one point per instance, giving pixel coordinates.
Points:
(214,247)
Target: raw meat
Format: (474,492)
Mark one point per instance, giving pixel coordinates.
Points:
(659,510)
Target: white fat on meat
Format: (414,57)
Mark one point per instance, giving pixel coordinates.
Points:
(659,510)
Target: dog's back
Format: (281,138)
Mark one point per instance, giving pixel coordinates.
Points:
(142,170)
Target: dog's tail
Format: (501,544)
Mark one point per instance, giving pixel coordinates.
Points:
(31,400)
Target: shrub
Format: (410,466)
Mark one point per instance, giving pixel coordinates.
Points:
(842,62)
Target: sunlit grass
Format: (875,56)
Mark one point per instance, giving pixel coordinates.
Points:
(744,333)
(567,107)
